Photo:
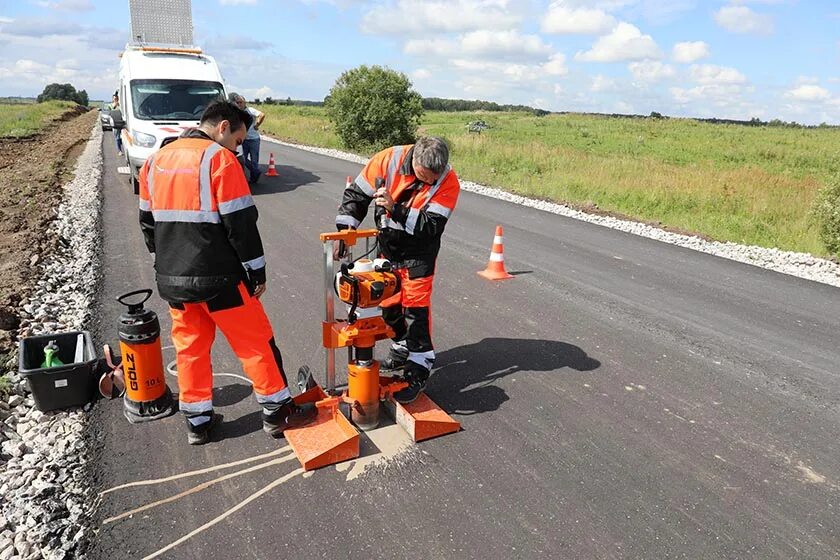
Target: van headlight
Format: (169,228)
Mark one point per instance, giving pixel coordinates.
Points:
(144,140)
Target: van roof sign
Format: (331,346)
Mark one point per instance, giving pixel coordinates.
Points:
(161,22)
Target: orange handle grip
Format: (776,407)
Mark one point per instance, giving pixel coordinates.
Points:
(349,236)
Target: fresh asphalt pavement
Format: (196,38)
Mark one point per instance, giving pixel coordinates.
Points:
(619,398)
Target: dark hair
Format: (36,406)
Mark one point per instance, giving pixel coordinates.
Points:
(219,111)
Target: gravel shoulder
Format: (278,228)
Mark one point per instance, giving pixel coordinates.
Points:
(44,476)
(33,172)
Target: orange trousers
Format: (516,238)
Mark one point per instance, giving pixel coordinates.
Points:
(409,314)
(243,321)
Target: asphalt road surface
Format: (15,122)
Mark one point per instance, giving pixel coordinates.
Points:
(620,398)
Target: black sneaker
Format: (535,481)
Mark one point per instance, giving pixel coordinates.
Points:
(199,435)
(397,358)
(416,384)
(288,416)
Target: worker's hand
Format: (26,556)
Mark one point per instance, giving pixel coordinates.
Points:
(383,198)
(339,250)
(259,290)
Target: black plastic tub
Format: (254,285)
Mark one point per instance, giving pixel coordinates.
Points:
(71,384)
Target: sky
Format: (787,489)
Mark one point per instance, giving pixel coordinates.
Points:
(699,58)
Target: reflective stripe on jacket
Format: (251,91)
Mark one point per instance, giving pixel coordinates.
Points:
(411,236)
(198,217)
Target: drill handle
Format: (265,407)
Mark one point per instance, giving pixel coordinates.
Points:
(382,217)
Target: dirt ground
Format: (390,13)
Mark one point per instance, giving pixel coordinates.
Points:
(32,172)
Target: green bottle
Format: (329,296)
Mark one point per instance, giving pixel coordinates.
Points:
(50,357)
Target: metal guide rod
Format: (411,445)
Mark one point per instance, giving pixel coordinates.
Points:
(329,311)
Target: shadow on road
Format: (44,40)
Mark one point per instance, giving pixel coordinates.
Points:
(227,395)
(242,426)
(289,179)
(463,382)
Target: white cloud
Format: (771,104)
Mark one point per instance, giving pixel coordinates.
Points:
(236,43)
(622,107)
(423,16)
(493,70)
(601,83)
(556,65)
(710,74)
(625,42)
(651,70)
(284,77)
(37,27)
(690,51)
(720,94)
(504,44)
(35,56)
(6,19)
(251,93)
(421,74)
(483,44)
(561,18)
(808,92)
(741,19)
(68,5)
(430,47)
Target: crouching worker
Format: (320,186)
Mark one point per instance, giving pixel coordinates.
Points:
(412,207)
(198,218)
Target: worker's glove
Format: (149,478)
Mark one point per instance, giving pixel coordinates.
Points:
(340,248)
(339,251)
(256,278)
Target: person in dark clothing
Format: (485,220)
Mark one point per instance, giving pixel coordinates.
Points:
(199,219)
(417,198)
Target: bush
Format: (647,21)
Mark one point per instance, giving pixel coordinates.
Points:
(63,92)
(826,211)
(373,107)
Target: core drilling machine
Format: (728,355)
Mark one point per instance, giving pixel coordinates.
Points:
(363,285)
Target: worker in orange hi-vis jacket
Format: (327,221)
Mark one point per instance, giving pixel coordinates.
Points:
(417,195)
(198,218)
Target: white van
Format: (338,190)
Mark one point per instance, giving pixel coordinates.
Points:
(163,90)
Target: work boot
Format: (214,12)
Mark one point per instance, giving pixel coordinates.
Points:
(416,376)
(397,358)
(288,415)
(199,435)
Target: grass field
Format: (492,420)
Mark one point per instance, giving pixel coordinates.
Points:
(752,185)
(19,120)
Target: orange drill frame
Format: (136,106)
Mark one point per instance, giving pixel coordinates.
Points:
(332,438)
(365,387)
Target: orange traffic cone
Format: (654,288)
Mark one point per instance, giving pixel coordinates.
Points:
(496,266)
(272,171)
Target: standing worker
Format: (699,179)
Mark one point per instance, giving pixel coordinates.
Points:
(198,218)
(251,145)
(115,106)
(412,207)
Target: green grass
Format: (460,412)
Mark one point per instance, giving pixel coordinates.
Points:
(751,185)
(18,120)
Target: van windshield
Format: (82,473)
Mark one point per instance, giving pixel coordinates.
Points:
(172,99)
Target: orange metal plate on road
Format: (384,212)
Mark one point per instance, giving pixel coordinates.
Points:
(423,419)
(330,439)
